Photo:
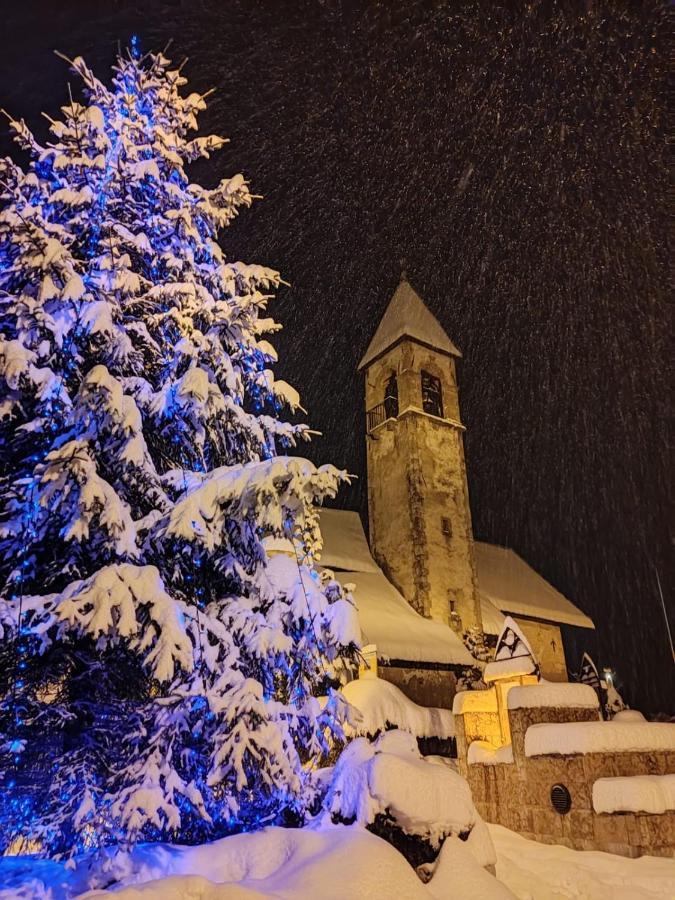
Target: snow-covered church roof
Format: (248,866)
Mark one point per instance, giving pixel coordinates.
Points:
(386,618)
(407,316)
(506,584)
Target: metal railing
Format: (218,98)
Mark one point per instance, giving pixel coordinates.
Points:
(376,416)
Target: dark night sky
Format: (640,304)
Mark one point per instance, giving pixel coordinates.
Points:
(516,160)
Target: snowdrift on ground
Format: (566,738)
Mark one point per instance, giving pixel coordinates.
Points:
(549,872)
(475,882)
(331,862)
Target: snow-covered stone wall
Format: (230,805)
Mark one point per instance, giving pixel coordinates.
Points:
(591,760)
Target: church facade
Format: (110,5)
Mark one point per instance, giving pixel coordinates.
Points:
(420,531)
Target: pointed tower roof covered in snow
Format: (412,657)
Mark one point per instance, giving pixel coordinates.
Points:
(407,317)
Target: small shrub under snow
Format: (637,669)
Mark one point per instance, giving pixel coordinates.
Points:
(390,778)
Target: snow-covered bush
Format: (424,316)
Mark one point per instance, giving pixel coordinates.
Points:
(383,706)
(158,674)
(389,787)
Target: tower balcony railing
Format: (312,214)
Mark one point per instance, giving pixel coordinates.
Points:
(377,415)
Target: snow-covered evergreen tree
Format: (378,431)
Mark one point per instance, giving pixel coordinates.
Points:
(159,672)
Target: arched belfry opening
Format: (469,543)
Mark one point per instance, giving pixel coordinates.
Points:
(391,397)
(432,394)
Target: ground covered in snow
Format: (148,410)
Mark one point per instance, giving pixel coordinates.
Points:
(334,862)
(327,862)
(383,784)
(549,872)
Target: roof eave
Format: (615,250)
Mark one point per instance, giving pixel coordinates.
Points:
(369,358)
(559,619)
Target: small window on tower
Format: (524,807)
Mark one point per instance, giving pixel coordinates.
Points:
(446,527)
(432,397)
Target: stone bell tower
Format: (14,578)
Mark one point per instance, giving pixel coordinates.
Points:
(418,498)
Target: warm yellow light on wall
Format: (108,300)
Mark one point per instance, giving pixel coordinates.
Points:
(368,661)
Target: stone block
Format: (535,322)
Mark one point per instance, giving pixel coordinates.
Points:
(522,819)
(652,830)
(572,768)
(489,812)
(632,829)
(580,791)
(627,764)
(578,825)
(477,781)
(668,830)
(545,770)
(620,849)
(508,784)
(585,844)
(611,829)
(599,765)
(668,851)
(547,823)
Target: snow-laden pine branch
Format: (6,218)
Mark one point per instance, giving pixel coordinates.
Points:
(159,671)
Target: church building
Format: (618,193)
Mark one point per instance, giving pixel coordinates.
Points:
(422,584)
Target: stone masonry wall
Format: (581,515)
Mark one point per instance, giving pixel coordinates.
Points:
(546,641)
(521,719)
(426,687)
(517,795)
(481,726)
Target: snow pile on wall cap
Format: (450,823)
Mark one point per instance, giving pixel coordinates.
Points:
(380,702)
(390,776)
(555,694)
(598,737)
(510,584)
(628,715)
(513,667)
(475,701)
(635,793)
(484,754)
